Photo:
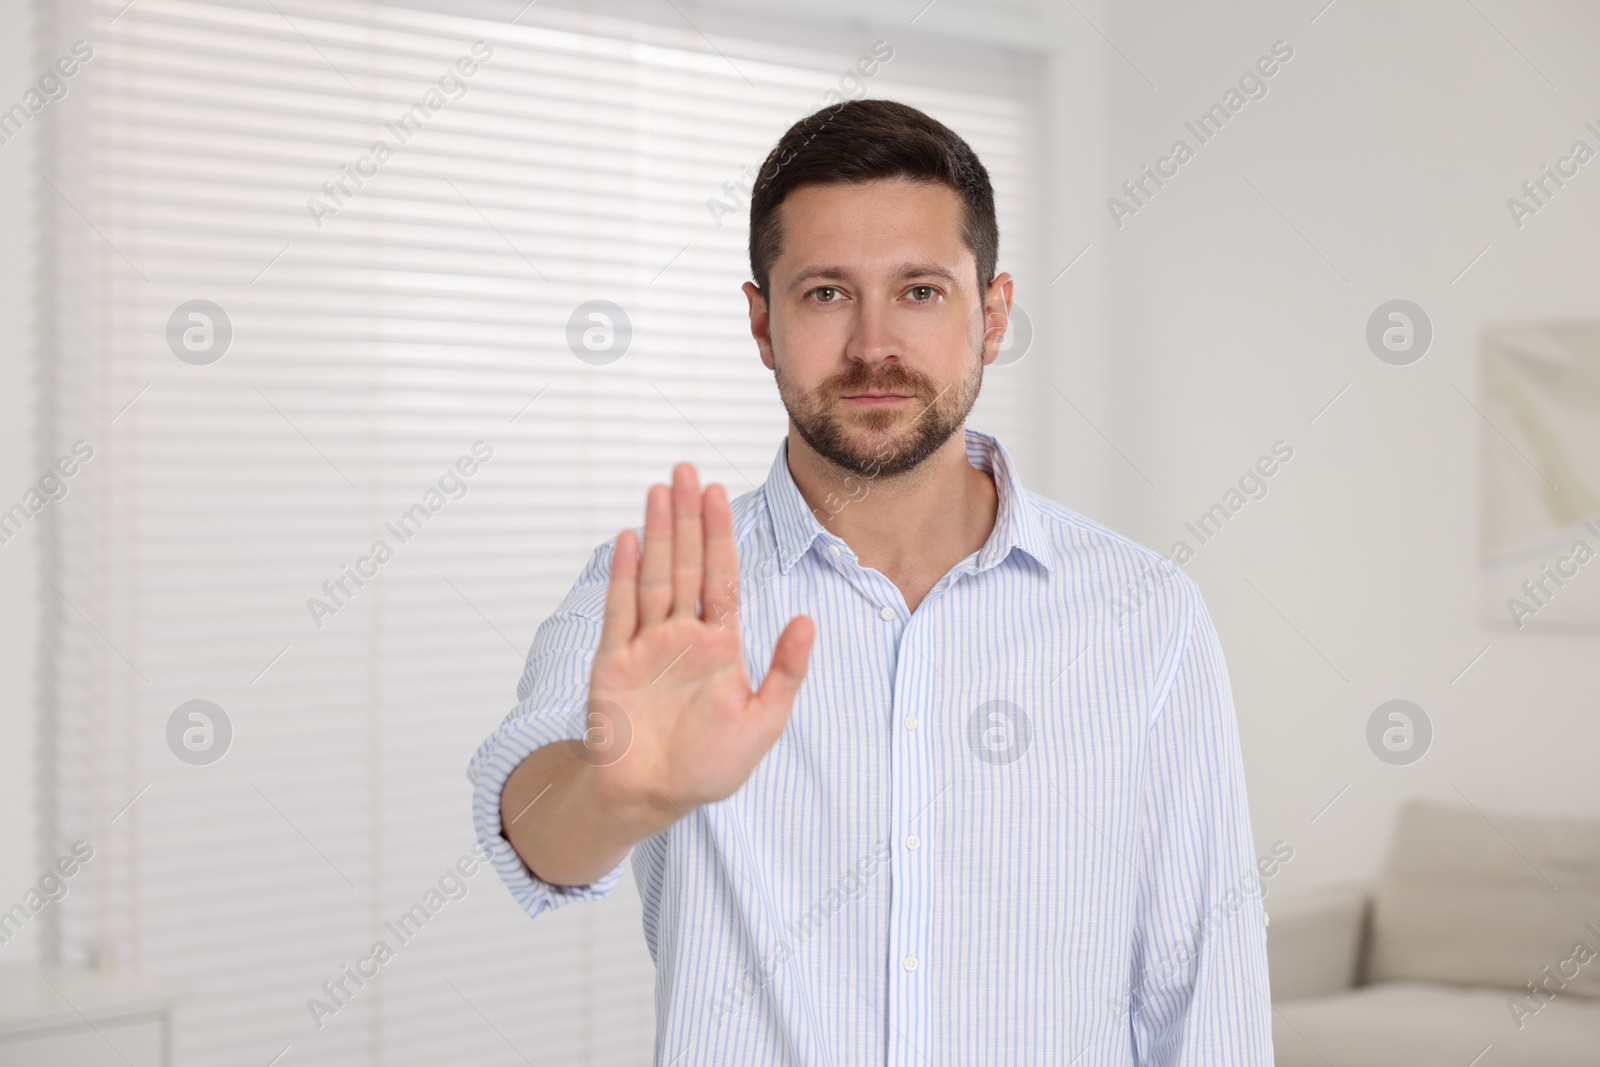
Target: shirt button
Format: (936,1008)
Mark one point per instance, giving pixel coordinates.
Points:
(911,722)
(834,551)
(913,842)
(886,613)
(911,963)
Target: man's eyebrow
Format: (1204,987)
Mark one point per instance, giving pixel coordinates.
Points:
(926,270)
(814,274)
(905,272)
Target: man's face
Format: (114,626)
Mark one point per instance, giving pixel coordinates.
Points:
(873,322)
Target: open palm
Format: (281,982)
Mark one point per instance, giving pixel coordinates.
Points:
(672,717)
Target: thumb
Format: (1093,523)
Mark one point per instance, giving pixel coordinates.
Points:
(790,659)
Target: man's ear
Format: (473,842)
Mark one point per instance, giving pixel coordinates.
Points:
(760,321)
(996,316)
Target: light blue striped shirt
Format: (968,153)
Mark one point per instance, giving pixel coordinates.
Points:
(1008,828)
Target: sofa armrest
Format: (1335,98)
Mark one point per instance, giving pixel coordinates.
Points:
(1314,940)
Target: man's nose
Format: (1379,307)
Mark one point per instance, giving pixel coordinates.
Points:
(873,337)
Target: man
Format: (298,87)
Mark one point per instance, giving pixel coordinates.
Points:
(1003,820)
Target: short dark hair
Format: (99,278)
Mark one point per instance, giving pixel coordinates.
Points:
(861,140)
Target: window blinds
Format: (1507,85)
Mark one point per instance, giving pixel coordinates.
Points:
(286,345)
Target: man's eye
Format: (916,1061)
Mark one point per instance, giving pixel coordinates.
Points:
(825,294)
(922,293)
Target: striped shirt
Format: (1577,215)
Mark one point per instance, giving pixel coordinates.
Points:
(1007,828)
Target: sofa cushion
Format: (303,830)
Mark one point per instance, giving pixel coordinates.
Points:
(1412,1024)
(1314,940)
(1486,898)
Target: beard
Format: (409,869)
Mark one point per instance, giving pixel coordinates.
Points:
(879,442)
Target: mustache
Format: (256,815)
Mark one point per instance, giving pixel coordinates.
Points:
(892,379)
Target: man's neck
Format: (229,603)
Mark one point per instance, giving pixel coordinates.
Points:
(911,527)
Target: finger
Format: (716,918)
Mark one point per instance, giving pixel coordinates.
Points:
(655,575)
(622,596)
(790,659)
(688,544)
(720,593)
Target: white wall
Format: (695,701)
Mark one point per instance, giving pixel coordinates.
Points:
(1390,142)
(18,558)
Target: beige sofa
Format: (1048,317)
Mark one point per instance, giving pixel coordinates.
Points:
(1479,944)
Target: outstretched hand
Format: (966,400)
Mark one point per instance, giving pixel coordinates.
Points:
(672,719)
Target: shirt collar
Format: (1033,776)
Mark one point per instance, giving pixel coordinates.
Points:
(1016,521)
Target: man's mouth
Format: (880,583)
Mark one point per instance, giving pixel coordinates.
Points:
(875,399)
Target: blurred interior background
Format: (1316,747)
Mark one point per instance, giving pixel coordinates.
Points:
(243,342)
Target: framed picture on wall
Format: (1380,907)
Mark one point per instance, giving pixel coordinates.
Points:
(1540,521)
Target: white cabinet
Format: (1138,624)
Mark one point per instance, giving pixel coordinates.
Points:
(58,1017)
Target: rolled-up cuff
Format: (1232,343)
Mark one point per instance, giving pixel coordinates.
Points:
(522,734)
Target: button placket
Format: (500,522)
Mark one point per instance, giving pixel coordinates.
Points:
(909,992)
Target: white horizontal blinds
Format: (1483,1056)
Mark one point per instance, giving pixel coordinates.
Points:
(368,356)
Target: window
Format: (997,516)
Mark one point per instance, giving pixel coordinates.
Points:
(388,352)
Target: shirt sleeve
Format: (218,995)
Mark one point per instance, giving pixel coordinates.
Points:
(553,695)
(1200,994)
